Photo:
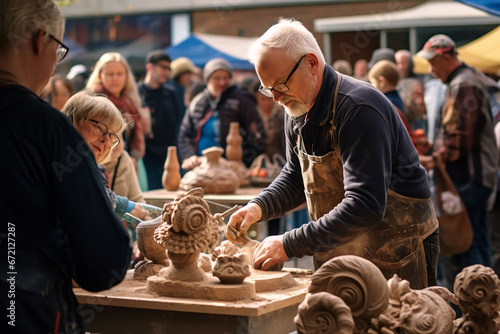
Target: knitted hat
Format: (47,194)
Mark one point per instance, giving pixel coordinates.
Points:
(381,54)
(437,45)
(215,65)
(181,65)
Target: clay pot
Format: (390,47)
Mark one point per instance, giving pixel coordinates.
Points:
(172,174)
(212,175)
(147,244)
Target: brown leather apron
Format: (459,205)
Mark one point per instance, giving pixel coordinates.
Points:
(394,245)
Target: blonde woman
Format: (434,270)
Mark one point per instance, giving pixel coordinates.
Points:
(112,77)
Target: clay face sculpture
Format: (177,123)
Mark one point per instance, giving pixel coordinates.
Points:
(211,175)
(231,265)
(232,269)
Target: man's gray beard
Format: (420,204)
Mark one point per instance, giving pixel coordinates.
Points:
(297,112)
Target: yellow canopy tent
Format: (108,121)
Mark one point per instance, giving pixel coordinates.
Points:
(482,53)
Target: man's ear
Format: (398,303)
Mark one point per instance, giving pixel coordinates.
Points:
(38,41)
(149,66)
(312,62)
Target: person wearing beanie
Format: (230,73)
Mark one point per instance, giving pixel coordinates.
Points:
(207,119)
(381,54)
(182,72)
(166,117)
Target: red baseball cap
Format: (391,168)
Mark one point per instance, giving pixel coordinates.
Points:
(437,45)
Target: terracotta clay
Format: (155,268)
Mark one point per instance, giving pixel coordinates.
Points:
(188,228)
(172,170)
(348,286)
(234,154)
(478,291)
(324,313)
(155,255)
(358,282)
(234,140)
(232,269)
(211,175)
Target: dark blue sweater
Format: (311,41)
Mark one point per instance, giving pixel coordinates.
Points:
(376,152)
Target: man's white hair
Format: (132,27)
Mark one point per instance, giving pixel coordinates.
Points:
(288,35)
(21,19)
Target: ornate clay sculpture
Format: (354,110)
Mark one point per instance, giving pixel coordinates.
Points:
(232,269)
(324,313)
(478,291)
(358,282)
(211,175)
(349,290)
(188,228)
(231,264)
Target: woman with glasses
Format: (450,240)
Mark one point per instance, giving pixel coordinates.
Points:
(52,199)
(101,125)
(207,119)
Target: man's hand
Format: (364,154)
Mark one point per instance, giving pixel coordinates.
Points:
(242,219)
(427,161)
(269,253)
(191,162)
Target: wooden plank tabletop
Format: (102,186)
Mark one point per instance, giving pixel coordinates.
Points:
(132,294)
(241,197)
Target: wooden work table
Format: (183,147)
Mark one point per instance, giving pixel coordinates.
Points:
(241,197)
(128,308)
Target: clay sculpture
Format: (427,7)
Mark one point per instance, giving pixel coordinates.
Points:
(187,229)
(349,294)
(212,175)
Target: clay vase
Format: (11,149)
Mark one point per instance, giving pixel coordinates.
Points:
(172,170)
(147,244)
(234,140)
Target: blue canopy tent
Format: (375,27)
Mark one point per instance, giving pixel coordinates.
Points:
(200,48)
(489,6)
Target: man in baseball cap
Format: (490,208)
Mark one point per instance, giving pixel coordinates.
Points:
(441,52)
(467,146)
(438,45)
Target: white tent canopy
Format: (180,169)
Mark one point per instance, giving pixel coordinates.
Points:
(428,14)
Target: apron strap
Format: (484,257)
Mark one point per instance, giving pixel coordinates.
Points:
(336,92)
(334,109)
